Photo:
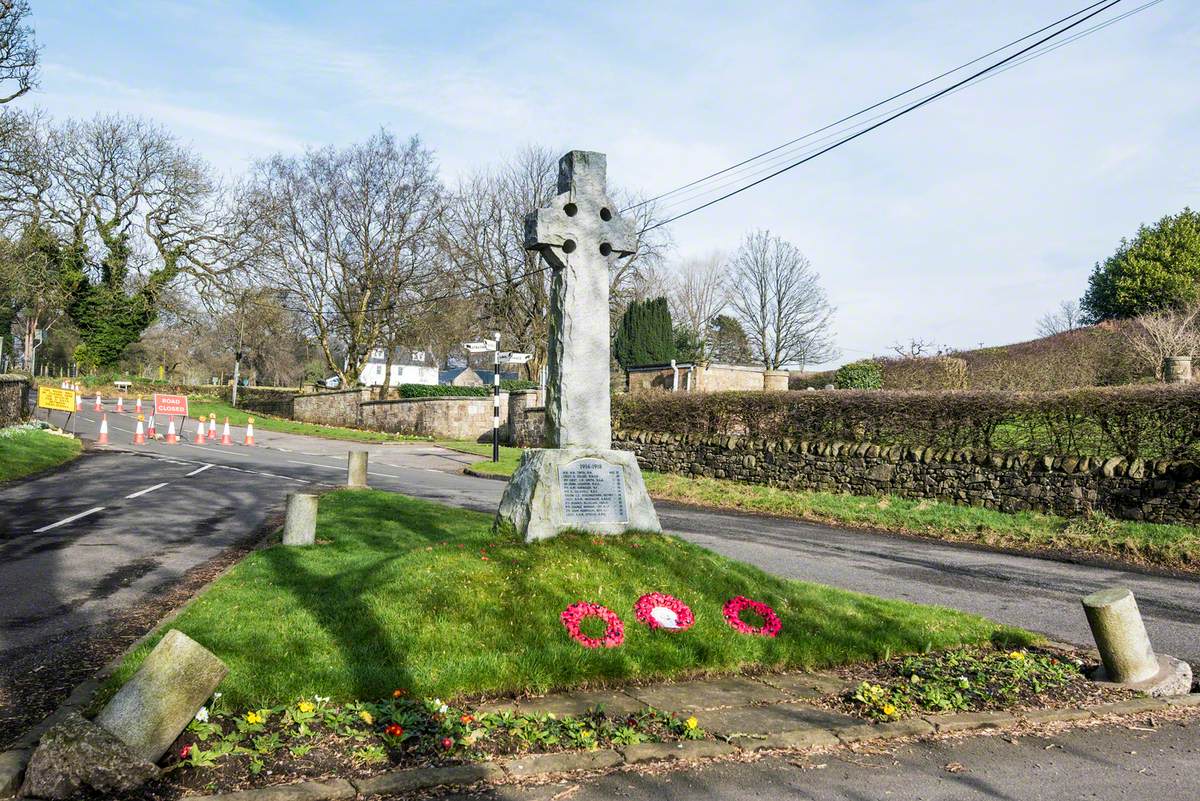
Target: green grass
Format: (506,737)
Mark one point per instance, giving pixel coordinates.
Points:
(1155,544)
(509,457)
(282,425)
(403,593)
(30,450)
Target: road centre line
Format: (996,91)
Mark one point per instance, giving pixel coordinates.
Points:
(198,470)
(70,519)
(140,493)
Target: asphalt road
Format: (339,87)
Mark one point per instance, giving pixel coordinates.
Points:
(100,560)
(1115,762)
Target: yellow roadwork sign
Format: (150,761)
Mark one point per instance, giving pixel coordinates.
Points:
(62,400)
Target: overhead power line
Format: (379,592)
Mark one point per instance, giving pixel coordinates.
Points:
(903,111)
(784,153)
(862,111)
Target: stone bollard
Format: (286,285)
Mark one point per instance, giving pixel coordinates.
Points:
(1120,635)
(356,469)
(1177,369)
(155,706)
(300,527)
(1129,659)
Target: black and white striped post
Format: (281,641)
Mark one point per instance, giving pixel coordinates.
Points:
(496,400)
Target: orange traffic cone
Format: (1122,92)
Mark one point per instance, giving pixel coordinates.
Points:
(99,406)
(212,427)
(120,404)
(78,401)
(172,437)
(150,432)
(199,433)
(137,409)
(226,439)
(250,431)
(103,438)
(139,434)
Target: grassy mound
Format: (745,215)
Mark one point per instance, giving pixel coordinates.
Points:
(402,593)
(28,449)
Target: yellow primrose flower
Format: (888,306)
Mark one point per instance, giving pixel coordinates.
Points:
(691,722)
(366,717)
(889,710)
(255,718)
(1017,655)
(306,706)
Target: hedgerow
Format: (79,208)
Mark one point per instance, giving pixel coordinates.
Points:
(1135,421)
(446,390)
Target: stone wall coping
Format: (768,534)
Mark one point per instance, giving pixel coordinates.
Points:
(384,401)
(1068,463)
(801,736)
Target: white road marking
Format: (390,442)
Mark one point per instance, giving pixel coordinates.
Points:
(316,464)
(70,519)
(198,470)
(140,493)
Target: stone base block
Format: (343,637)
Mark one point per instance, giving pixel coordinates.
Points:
(76,756)
(1174,677)
(576,489)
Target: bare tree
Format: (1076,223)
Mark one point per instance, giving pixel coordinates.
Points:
(349,236)
(699,293)
(131,209)
(916,348)
(1067,317)
(1172,332)
(31,282)
(779,300)
(18,50)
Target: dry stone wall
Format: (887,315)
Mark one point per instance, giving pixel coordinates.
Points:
(467,418)
(1159,491)
(14,399)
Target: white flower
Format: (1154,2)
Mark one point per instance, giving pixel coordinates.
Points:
(202,715)
(665,617)
(216,696)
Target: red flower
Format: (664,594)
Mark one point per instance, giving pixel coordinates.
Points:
(614,635)
(447,743)
(651,601)
(186,751)
(394,729)
(399,693)
(467,719)
(734,608)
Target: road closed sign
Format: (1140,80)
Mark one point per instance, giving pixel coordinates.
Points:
(170,405)
(62,400)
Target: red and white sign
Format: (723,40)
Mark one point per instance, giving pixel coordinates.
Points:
(170,405)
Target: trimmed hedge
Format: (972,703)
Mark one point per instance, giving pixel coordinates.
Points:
(448,391)
(1134,422)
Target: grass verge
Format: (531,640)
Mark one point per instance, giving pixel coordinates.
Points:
(282,425)
(403,593)
(25,450)
(1154,544)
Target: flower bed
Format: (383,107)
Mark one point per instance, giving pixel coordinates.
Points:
(224,750)
(973,680)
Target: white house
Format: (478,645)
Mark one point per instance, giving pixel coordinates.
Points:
(408,367)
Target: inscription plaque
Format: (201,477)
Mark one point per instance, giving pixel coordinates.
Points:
(593,492)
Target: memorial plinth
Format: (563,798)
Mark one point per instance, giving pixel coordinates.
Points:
(576,489)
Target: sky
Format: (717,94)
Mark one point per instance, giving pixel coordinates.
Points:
(960,224)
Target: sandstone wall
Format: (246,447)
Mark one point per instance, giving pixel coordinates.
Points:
(331,408)
(1158,491)
(467,418)
(14,399)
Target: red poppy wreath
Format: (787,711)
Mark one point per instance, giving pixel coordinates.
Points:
(734,608)
(661,611)
(574,614)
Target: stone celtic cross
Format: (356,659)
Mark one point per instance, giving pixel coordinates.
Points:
(579,234)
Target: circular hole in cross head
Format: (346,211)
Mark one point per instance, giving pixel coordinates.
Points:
(569,246)
(571,209)
(605,214)
(605,248)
